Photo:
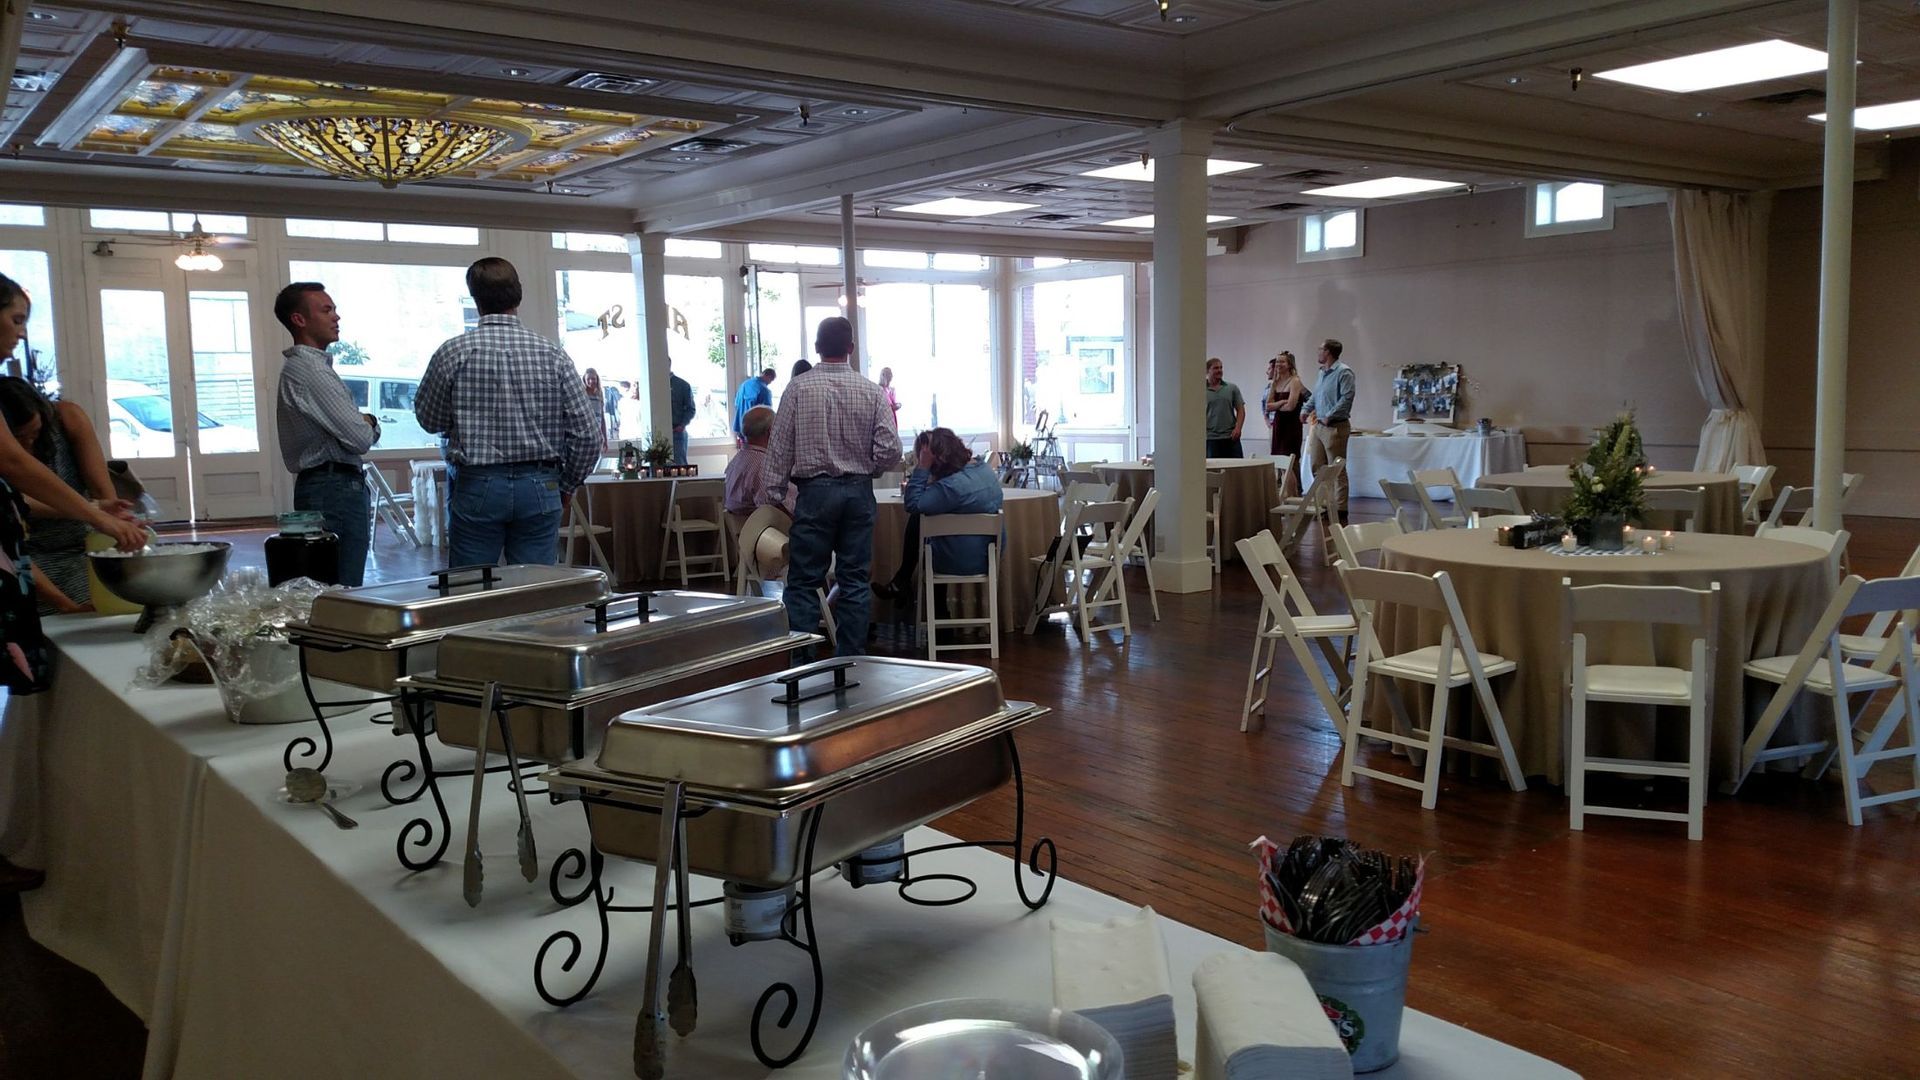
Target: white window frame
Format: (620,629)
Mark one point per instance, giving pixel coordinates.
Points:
(1602,223)
(1358,248)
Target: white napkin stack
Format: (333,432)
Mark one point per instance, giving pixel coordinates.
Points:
(1260,1020)
(1115,974)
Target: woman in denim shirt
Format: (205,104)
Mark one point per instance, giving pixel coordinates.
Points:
(946,481)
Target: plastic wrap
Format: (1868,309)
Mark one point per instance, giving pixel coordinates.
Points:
(239,628)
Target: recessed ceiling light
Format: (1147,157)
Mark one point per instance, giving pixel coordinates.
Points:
(1386,187)
(43,16)
(988,184)
(685,157)
(853,112)
(516,72)
(1184,19)
(958,207)
(1145,221)
(1894,114)
(1756,62)
(1514,80)
(1702,114)
(1135,169)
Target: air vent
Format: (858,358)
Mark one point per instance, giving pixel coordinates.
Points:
(1804,96)
(1034,189)
(34,82)
(608,83)
(1283,207)
(1307,174)
(711,146)
(1050,217)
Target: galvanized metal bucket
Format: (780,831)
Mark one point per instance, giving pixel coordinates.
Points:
(1363,989)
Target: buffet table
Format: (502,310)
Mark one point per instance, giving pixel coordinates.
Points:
(1771,592)
(1373,458)
(1545,491)
(256,939)
(1032,518)
(1249,490)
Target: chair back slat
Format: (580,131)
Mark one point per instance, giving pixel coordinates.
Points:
(1886,594)
(1088,491)
(1353,541)
(1263,555)
(1666,605)
(1370,585)
(1468,500)
(987,525)
(1137,525)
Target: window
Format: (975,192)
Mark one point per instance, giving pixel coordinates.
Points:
(897,260)
(37,353)
(775,331)
(133,326)
(392,318)
(320,229)
(466,236)
(1042,262)
(790,253)
(580,241)
(223,372)
(695,249)
(936,338)
(1336,234)
(600,330)
(697,345)
(1073,352)
(16,214)
(947,261)
(1580,206)
(162,221)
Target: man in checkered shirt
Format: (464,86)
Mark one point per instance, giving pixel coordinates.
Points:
(519,426)
(833,435)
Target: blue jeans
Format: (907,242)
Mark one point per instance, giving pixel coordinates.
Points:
(833,517)
(504,510)
(680,446)
(343,498)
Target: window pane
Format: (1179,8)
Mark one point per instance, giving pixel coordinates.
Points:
(935,338)
(223,372)
(16,214)
(598,327)
(689,249)
(398,395)
(789,253)
(578,241)
(1073,352)
(1310,233)
(133,325)
(697,345)
(356,385)
(1340,228)
(336,230)
(392,318)
(774,327)
(37,354)
(1045,263)
(900,260)
(1580,202)
(433,234)
(219,224)
(1543,204)
(149,220)
(945,261)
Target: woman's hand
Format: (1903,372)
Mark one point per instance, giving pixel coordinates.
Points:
(127,535)
(925,459)
(119,508)
(68,607)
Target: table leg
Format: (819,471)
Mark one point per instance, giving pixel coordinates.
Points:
(649,1051)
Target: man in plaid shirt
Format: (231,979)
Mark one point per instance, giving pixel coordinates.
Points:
(833,435)
(519,426)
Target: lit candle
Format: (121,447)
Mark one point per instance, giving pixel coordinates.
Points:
(1503,536)
(1666,540)
(1651,469)
(1566,542)
(1649,543)
(1626,534)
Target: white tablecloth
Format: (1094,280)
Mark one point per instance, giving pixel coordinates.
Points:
(430,489)
(1373,458)
(263,941)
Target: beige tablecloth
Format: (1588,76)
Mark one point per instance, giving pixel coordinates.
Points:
(1771,592)
(1545,491)
(634,509)
(1032,520)
(1249,490)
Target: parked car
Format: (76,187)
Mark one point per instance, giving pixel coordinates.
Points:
(140,423)
(388,395)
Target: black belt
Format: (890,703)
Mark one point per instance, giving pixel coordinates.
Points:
(332,467)
(803,481)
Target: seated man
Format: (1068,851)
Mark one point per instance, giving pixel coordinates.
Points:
(744,490)
(946,480)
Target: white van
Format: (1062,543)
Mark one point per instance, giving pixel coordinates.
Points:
(140,424)
(388,395)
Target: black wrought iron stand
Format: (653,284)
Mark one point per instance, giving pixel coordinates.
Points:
(306,746)
(428,836)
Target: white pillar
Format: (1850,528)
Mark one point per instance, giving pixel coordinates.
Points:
(1179,352)
(649,251)
(1836,264)
(850,277)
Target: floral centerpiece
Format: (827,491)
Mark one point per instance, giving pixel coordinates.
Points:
(1606,485)
(658,454)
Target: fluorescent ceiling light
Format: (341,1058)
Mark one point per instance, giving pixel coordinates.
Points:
(1757,62)
(964,207)
(1894,114)
(1145,221)
(1384,188)
(1143,170)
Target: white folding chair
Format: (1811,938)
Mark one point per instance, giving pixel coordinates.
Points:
(1791,500)
(1314,504)
(1134,542)
(1453,663)
(1404,498)
(387,505)
(1546,468)
(1690,687)
(1756,484)
(1354,542)
(1282,466)
(706,496)
(1080,475)
(937,525)
(1423,480)
(1472,502)
(580,526)
(1833,543)
(763,557)
(1820,669)
(1690,503)
(1092,582)
(1287,615)
(1216,510)
(1868,644)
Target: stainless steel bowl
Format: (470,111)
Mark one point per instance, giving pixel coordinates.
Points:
(983,1039)
(163,576)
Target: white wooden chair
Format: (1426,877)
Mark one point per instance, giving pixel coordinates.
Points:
(1314,504)
(707,495)
(1756,485)
(1092,582)
(1134,542)
(936,525)
(1080,475)
(1800,500)
(1833,543)
(1216,510)
(763,557)
(1690,688)
(1286,614)
(1282,466)
(1424,481)
(1453,663)
(580,527)
(1867,645)
(1470,502)
(394,509)
(1820,668)
(1354,543)
(1688,503)
(1404,498)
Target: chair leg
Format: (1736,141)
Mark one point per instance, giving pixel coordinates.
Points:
(1697,768)
(1153,594)
(1350,748)
(1509,762)
(1328,699)
(1255,675)
(680,547)
(1577,755)
(1849,767)
(666,544)
(1436,743)
(993,604)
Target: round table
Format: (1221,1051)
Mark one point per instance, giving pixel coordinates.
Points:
(1249,490)
(1771,593)
(634,510)
(1545,491)
(1032,521)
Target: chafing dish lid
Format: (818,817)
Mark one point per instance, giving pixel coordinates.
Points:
(451,598)
(612,642)
(802,726)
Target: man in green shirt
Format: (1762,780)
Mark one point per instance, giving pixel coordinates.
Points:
(1226,413)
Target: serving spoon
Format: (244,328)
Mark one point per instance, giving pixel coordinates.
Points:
(310,786)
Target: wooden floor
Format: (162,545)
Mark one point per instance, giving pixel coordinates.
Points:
(1782,945)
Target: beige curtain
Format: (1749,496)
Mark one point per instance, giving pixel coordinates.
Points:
(1719,266)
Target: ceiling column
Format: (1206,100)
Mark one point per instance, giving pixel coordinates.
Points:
(1179,349)
(649,251)
(850,277)
(1836,264)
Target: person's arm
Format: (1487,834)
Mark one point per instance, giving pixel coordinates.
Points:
(25,472)
(684,409)
(925,495)
(777,469)
(1294,389)
(886,440)
(326,402)
(433,402)
(1239,412)
(1343,397)
(54,598)
(86,449)
(581,446)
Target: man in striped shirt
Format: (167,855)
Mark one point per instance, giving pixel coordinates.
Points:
(518,423)
(833,435)
(322,432)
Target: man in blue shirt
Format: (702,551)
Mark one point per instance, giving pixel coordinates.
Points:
(684,411)
(755,391)
(1331,406)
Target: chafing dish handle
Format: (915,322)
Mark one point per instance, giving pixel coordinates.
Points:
(642,608)
(443,582)
(791,682)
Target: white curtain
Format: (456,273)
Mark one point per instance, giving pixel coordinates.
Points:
(1719,262)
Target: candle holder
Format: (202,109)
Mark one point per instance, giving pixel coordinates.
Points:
(1649,543)
(1567,542)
